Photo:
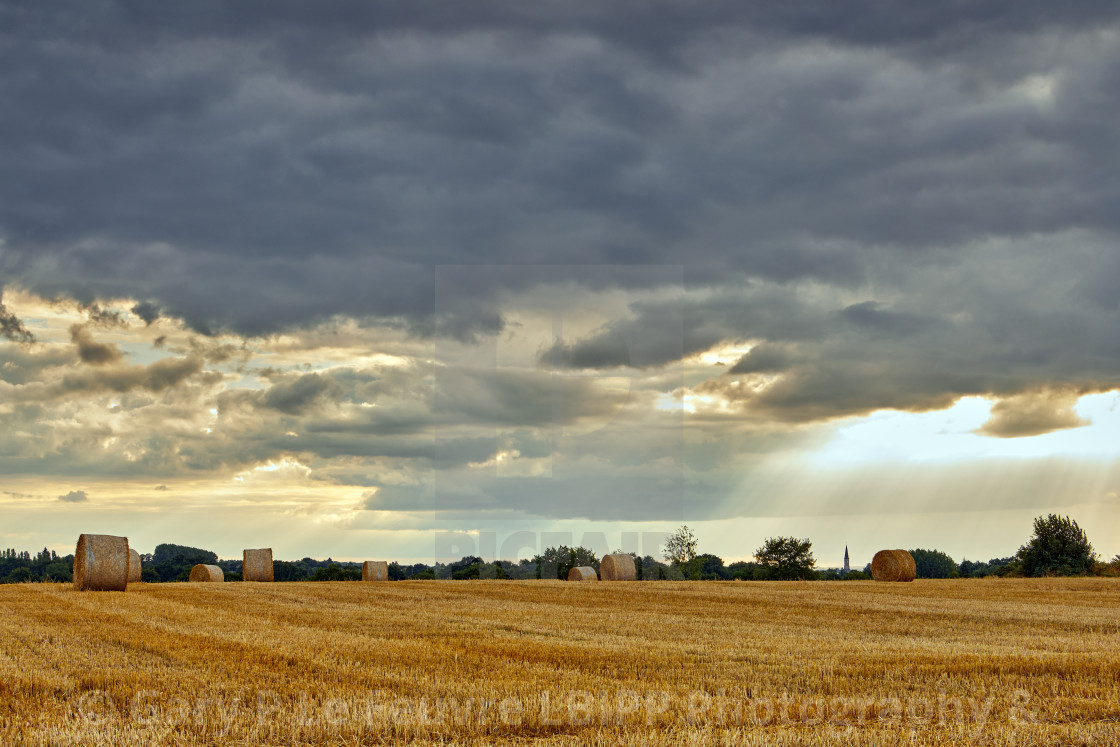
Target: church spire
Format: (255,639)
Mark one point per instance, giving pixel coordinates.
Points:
(846,567)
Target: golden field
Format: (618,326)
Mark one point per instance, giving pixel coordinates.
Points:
(1000,662)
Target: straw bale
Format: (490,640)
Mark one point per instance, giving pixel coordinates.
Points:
(618,567)
(207,573)
(375,570)
(256,565)
(583,573)
(134,566)
(101,563)
(911,571)
(893,565)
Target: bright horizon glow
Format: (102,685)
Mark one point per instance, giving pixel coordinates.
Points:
(951,435)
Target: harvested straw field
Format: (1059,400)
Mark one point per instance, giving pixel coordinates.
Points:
(618,568)
(893,565)
(996,662)
(101,563)
(583,573)
(375,570)
(202,573)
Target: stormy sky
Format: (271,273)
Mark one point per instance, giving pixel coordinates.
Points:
(345,277)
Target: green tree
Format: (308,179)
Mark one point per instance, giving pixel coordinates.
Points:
(19,576)
(335,572)
(174,562)
(787,558)
(557,562)
(706,567)
(288,570)
(651,569)
(1058,548)
(934,564)
(747,571)
(680,547)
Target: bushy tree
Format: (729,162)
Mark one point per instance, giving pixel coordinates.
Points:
(994,567)
(742,570)
(706,567)
(335,572)
(286,570)
(174,562)
(934,564)
(1059,547)
(557,562)
(787,558)
(680,547)
(168,553)
(652,569)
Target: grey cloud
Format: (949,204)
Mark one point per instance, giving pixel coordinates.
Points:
(147,311)
(11,328)
(1033,413)
(90,351)
(335,160)
(74,496)
(765,358)
(606,350)
(296,395)
(424,497)
(161,375)
(656,333)
(156,377)
(519,398)
(21,364)
(872,317)
(106,318)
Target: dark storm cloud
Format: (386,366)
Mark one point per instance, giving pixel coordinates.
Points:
(216,159)
(605,350)
(11,328)
(765,358)
(871,317)
(296,395)
(147,311)
(899,207)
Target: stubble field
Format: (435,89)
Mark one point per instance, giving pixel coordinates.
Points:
(499,662)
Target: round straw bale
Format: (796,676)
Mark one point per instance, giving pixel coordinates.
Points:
(134,566)
(618,567)
(583,573)
(375,570)
(893,565)
(211,573)
(101,563)
(911,571)
(256,565)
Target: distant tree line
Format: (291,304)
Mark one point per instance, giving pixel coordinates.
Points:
(19,567)
(1058,547)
